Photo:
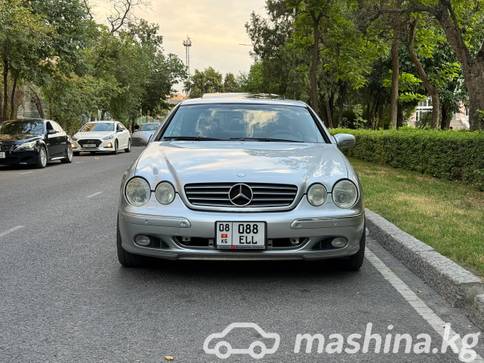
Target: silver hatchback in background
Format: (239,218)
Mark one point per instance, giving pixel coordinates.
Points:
(142,133)
(242,179)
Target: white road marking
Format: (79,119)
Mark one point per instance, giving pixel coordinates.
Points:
(94,195)
(8,231)
(25,173)
(417,304)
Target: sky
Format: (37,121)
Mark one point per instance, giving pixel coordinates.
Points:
(216,28)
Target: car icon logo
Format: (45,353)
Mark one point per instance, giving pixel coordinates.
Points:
(215,344)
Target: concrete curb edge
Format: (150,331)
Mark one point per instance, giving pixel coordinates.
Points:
(459,287)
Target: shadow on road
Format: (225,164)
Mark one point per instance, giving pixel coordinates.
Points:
(240,270)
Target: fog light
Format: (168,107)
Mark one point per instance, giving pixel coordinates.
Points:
(339,242)
(294,241)
(109,145)
(142,240)
(186,239)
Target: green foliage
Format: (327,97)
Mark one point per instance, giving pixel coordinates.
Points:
(230,83)
(206,81)
(443,154)
(80,66)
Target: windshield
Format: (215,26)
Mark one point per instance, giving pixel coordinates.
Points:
(34,128)
(97,126)
(149,127)
(243,122)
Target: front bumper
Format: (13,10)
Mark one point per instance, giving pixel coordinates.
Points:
(20,157)
(314,226)
(104,146)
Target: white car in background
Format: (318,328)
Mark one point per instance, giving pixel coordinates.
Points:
(141,135)
(102,136)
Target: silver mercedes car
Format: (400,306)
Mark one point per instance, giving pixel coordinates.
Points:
(242,179)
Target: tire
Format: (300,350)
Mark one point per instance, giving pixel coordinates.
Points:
(128,149)
(69,154)
(125,258)
(354,263)
(42,158)
(115,147)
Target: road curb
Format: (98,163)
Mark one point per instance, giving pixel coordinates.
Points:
(458,286)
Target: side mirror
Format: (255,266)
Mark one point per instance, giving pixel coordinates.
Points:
(345,141)
(51,132)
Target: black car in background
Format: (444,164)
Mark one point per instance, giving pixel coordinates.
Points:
(33,142)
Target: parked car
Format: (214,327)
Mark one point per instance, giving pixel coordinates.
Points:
(102,136)
(33,142)
(141,135)
(242,179)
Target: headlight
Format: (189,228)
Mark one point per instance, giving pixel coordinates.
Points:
(345,194)
(27,146)
(165,193)
(138,192)
(317,194)
(110,137)
(74,138)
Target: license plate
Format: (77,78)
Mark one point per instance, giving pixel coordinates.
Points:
(89,145)
(240,235)
(2,155)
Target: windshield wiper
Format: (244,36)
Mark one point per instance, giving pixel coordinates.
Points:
(190,138)
(264,139)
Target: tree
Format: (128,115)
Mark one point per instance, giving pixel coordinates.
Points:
(22,36)
(463,25)
(206,81)
(432,90)
(230,83)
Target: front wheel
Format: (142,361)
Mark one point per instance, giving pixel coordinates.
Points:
(128,149)
(41,158)
(115,147)
(68,155)
(354,263)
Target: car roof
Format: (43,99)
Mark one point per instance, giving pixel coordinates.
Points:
(101,121)
(242,100)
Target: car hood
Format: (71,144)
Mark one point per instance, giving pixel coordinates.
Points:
(6,138)
(93,134)
(199,162)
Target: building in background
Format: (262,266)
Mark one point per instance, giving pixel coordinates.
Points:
(460,120)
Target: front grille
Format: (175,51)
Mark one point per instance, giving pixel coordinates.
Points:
(89,141)
(6,147)
(264,195)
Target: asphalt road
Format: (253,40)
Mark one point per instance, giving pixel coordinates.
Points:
(65,298)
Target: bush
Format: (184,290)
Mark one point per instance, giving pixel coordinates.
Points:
(453,155)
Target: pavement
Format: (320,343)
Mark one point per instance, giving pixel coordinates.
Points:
(65,298)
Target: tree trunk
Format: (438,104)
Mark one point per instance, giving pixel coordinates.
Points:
(5,90)
(473,69)
(395,72)
(13,105)
(446,116)
(314,67)
(38,103)
(475,88)
(431,89)
(329,112)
